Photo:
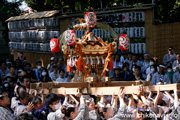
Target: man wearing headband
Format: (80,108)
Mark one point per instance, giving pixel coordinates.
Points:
(160,76)
(170,57)
(176,76)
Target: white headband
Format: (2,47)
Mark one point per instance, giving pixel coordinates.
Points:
(162,66)
(69,105)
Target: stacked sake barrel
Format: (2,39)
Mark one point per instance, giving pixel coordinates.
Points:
(32,34)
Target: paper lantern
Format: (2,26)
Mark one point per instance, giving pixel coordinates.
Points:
(70,37)
(90,18)
(124,42)
(54,45)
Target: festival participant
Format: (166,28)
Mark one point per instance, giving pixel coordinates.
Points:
(52,102)
(118,62)
(25,116)
(140,105)
(148,70)
(170,73)
(175,114)
(55,74)
(13,73)
(58,115)
(93,115)
(18,65)
(137,74)
(160,76)
(71,111)
(70,77)
(25,81)
(55,62)
(176,63)
(163,104)
(62,65)
(30,72)
(38,110)
(8,87)
(21,57)
(118,76)
(45,76)
(38,69)
(134,61)
(125,72)
(10,79)
(4,70)
(5,113)
(50,64)
(61,78)
(107,112)
(129,58)
(15,100)
(141,58)
(170,57)
(23,105)
(153,70)
(9,64)
(176,76)
(145,65)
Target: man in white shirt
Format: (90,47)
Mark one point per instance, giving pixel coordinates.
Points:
(61,78)
(55,74)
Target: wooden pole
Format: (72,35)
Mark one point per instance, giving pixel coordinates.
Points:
(85,88)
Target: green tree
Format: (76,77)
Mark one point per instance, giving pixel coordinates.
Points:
(162,11)
(165,11)
(8,9)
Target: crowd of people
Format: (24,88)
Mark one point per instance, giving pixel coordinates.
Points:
(19,102)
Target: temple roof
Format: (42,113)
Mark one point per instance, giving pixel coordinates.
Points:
(35,15)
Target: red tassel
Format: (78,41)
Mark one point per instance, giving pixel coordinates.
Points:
(79,64)
(110,64)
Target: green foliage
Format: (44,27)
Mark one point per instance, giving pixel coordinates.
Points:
(8,9)
(40,5)
(165,11)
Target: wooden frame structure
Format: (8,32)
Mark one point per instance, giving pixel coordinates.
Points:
(105,88)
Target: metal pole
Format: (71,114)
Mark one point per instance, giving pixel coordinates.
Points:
(123,2)
(80,7)
(101,4)
(62,9)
